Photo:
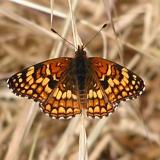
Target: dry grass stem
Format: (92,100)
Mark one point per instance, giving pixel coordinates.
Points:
(38,7)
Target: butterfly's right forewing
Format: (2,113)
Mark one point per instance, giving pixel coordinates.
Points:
(38,81)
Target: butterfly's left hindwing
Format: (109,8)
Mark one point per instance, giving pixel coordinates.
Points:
(38,81)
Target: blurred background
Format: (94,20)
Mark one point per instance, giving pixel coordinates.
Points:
(133,131)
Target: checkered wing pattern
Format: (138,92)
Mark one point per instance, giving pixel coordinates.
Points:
(46,83)
(63,102)
(97,100)
(112,84)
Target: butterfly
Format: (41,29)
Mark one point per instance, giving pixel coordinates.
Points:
(66,86)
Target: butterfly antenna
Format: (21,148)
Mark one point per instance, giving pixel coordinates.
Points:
(90,40)
(54,31)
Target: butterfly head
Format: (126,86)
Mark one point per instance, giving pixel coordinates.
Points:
(80,51)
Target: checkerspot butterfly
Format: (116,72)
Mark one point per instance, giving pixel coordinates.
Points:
(64,86)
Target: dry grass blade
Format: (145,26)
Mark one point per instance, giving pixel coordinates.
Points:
(24,122)
(38,7)
(33,148)
(83,153)
(76,37)
(100,147)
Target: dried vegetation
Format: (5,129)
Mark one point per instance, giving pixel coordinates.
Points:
(133,131)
